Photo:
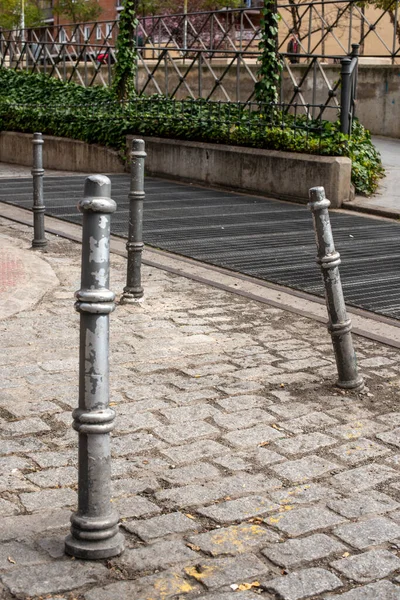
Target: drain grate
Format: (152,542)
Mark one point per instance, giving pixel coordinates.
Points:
(264,238)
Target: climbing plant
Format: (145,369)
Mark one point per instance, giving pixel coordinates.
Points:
(270,65)
(126,65)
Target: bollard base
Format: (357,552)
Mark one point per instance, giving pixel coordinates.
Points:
(37,244)
(95,550)
(355,384)
(127,298)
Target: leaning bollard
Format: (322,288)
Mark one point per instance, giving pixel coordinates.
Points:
(94,530)
(133,291)
(39,239)
(339,324)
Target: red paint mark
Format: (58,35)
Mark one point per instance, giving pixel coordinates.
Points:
(11,272)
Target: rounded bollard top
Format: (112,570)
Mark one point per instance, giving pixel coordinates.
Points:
(97,195)
(37,138)
(138,146)
(318,200)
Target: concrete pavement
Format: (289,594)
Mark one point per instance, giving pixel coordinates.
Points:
(238,468)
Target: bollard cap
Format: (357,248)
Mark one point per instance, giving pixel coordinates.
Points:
(318,200)
(138,148)
(97,195)
(37,138)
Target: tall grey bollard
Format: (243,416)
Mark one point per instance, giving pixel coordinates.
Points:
(339,324)
(133,291)
(39,239)
(94,531)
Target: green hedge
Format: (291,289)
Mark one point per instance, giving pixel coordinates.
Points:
(34,102)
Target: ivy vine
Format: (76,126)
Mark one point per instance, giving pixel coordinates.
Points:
(126,65)
(270,65)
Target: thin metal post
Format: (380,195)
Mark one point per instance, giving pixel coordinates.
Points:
(133,291)
(94,529)
(39,238)
(345,99)
(339,324)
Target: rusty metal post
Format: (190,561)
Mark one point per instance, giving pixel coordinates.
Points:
(94,530)
(339,324)
(133,291)
(39,238)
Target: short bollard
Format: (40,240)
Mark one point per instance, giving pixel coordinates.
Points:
(339,324)
(39,239)
(94,531)
(133,291)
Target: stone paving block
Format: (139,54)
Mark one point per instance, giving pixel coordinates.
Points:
(58,477)
(18,553)
(26,409)
(245,402)
(52,577)
(392,419)
(250,417)
(363,478)
(229,596)
(237,485)
(216,573)
(162,586)
(253,437)
(24,526)
(49,499)
(54,459)
(368,533)
(265,370)
(238,510)
(391,437)
(303,494)
(189,453)
(376,361)
(311,421)
(361,505)
(266,457)
(236,539)
(189,413)
(54,545)
(241,387)
(128,487)
(210,369)
(135,443)
(23,427)
(235,463)
(135,506)
(304,520)
(305,468)
(184,475)
(183,398)
(302,444)
(158,555)
(368,566)
(161,526)
(22,446)
(383,590)
(356,429)
(303,364)
(350,412)
(193,430)
(126,422)
(359,450)
(8,508)
(303,584)
(293,553)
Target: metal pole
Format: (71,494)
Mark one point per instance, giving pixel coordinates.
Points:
(345,96)
(39,238)
(94,529)
(133,291)
(339,324)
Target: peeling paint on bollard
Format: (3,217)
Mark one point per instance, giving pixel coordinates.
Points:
(339,324)
(133,291)
(39,238)
(95,530)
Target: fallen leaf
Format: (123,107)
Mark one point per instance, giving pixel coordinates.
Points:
(234,587)
(193,547)
(11,560)
(264,444)
(275,426)
(190,516)
(247,586)
(346,554)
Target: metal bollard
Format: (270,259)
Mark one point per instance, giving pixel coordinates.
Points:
(39,239)
(94,531)
(133,291)
(339,324)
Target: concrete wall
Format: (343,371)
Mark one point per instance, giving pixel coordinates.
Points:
(60,153)
(273,173)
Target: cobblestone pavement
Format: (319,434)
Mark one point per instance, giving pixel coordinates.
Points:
(238,468)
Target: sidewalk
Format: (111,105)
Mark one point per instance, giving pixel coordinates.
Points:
(238,468)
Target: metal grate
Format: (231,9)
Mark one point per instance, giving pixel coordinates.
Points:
(264,238)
